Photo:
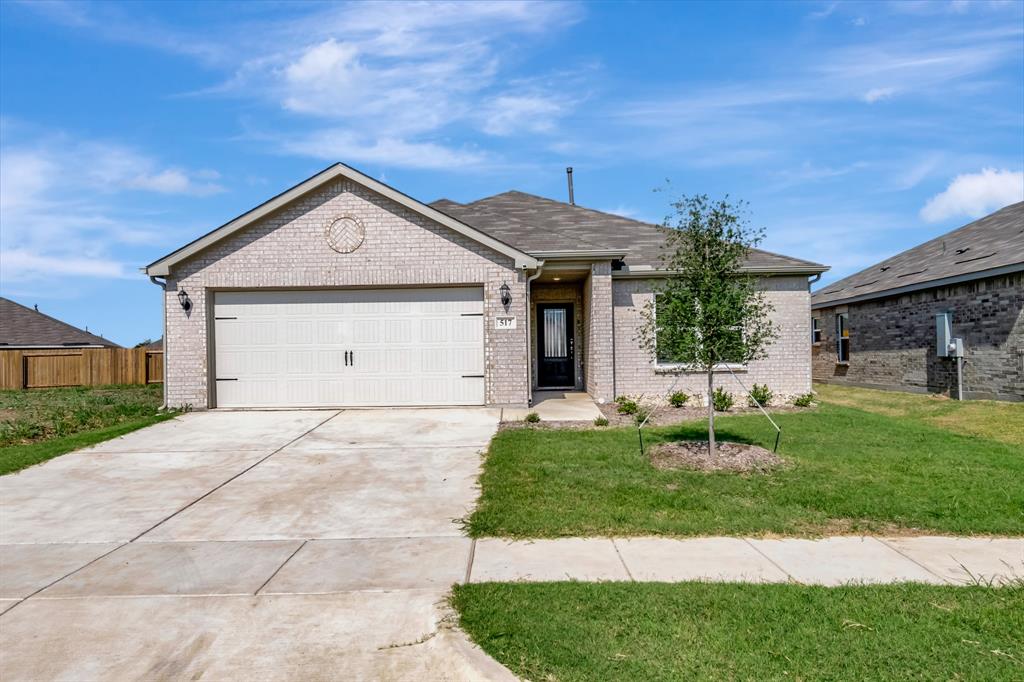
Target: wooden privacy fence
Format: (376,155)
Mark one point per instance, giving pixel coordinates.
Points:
(80,367)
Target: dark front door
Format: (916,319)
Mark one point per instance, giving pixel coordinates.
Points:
(556,366)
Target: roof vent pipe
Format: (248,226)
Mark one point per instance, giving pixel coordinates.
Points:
(568,173)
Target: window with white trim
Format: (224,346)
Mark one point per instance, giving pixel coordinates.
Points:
(842,337)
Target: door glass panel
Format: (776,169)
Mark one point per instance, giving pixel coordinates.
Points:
(555,345)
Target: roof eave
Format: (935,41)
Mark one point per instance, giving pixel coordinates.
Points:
(581,254)
(648,271)
(162,267)
(919,286)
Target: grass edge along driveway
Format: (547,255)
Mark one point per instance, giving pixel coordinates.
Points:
(657,631)
(851,471)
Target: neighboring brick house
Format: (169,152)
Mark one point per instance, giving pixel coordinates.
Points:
(24,328)
(885,315)
(344,291)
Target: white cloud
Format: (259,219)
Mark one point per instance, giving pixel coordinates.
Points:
(334,144)
(974,195)
(508,114)
(59,200)
(875,94)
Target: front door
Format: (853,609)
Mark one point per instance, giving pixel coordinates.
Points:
(556,366)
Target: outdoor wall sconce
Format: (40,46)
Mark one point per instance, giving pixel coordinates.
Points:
(184,300)
(506,294)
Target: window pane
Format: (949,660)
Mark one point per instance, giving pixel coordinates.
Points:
(555,342)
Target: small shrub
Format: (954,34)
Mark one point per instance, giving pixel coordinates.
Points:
(532,418)
(642,412)
(804,400)
(760,393)
(627,405)
(678,399)
(722,399)
(601,421)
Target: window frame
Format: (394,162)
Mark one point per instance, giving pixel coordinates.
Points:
(668,367)
(816,331)
(842,338)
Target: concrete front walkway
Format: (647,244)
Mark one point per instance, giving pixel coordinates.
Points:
(246,545)
(829,561)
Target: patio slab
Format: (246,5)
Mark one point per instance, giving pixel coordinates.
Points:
(195,568)
(717,559)
(542,560)
(310,493)
(841,560)
(962,560)
(382,564)
(557,406)
(25,569)
(108,497)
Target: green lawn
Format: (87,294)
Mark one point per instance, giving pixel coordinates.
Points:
(36,425)
(850,470)
(656,631)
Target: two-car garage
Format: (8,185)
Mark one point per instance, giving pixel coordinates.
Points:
(348,347)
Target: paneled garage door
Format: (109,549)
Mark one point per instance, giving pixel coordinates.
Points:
(349,347)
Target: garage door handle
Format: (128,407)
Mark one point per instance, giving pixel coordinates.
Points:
(352,358)
(219,379)
(472,376)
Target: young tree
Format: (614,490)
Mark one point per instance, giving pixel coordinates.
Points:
(707,310)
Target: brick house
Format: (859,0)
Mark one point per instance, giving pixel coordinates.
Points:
(344,291)
(877,328)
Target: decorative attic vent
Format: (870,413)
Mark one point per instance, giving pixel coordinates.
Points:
(908,274)
(971,260)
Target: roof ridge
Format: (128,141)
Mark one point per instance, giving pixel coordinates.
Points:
(60,322)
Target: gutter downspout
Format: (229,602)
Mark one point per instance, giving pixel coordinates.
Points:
(163,287)
(529,339)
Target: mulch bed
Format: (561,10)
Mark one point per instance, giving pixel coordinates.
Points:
(737,457)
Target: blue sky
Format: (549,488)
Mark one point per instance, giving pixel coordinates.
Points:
(855,130)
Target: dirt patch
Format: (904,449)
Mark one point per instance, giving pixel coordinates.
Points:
(738,457)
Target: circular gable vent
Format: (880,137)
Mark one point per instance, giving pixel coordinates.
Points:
(344,234)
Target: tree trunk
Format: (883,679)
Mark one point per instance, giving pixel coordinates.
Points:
(712,451)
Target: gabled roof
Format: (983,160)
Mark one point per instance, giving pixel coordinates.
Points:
(989,246)
(539,225)
(22,327)
(161,267)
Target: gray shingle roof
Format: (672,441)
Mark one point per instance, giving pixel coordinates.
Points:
(995,241)
(537,224)
(22,327)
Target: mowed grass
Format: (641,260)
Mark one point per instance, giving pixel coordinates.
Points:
(699,631)
(36,425)
(850,470)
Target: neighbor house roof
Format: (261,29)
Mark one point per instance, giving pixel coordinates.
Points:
(22,327)
(161,267)
(987,247)
(542,226)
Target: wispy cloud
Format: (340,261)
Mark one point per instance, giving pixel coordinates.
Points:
(974,195)
(59,198)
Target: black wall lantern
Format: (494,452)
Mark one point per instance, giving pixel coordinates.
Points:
(184,300)
(506,294)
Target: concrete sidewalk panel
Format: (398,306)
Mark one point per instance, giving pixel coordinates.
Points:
(108,497)
(381,564)
(194,568)
(841,560)
(24,569)
(964,560)
(540,560)
(718,559)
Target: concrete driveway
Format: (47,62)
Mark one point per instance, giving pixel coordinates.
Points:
(258,545)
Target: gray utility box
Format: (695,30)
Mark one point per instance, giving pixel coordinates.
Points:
(945,345)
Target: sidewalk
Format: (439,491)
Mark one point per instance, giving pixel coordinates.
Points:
(829,561)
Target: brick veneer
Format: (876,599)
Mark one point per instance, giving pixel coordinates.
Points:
(600,359)
(287,249)
(786,369)
(892,340)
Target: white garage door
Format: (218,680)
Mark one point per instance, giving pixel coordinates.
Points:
(349,347)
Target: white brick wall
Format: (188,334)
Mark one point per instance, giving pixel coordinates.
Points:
(600,346)
(288,250)
(786,369)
